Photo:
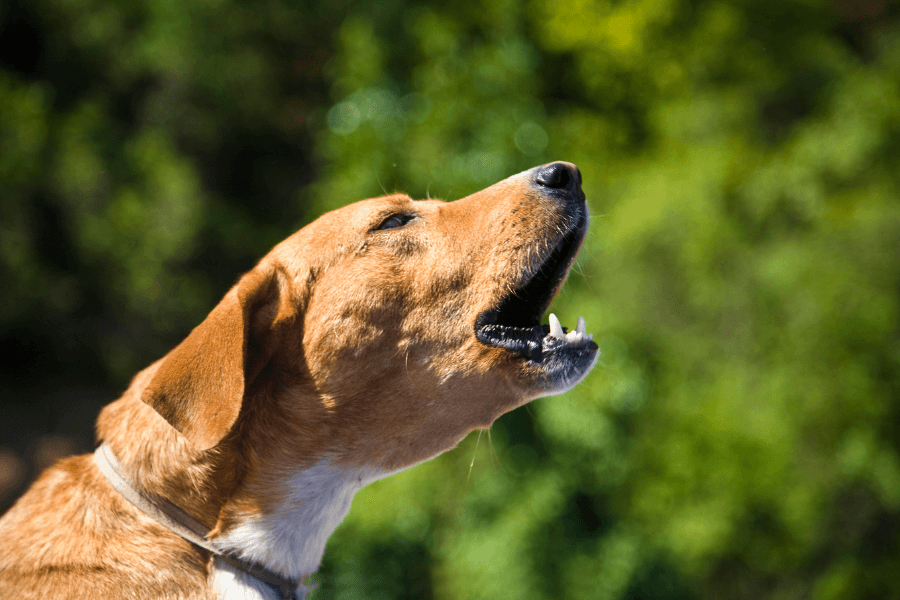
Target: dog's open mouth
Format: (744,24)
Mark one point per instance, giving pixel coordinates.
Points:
(515,323)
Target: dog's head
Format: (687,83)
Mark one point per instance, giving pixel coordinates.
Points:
(387,330)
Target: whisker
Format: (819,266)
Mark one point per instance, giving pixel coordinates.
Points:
(531,414)
(381,185)
(493,450)
(472,464)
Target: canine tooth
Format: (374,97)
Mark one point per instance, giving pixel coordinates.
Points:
(555,328)
(581,327)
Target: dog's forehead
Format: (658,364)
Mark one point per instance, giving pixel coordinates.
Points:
(340,229)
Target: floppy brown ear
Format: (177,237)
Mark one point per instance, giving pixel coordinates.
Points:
(199,386)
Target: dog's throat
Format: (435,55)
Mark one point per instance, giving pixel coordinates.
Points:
(290,536)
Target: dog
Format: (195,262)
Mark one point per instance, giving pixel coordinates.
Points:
(369,341)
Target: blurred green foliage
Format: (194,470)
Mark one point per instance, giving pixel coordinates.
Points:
(739,438)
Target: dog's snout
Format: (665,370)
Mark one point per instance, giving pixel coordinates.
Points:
(559,176)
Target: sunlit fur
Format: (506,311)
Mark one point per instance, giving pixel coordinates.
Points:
(348,353)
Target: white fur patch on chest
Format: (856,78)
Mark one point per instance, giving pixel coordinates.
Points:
(230,583)
(291,539)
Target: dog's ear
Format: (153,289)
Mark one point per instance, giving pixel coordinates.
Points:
(199,386)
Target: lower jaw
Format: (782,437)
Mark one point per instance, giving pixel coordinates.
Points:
(562,367)
(553,363)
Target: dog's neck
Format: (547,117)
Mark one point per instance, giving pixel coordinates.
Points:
(289,536)
(262,509)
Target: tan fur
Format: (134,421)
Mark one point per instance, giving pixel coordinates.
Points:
(342,342)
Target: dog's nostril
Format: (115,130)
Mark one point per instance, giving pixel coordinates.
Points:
(558,176)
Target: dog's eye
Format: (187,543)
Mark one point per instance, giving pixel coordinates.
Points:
(394,221)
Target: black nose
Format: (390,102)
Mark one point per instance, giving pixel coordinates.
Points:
(560,176)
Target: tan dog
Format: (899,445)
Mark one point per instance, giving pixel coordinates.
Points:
(369,341)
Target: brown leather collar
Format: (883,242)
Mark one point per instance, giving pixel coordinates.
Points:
(182,524)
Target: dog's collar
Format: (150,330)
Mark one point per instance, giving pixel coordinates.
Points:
(179,522)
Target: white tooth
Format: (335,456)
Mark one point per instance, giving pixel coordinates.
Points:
(581,327)
(555,328)
(591,336)
(574,336)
